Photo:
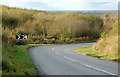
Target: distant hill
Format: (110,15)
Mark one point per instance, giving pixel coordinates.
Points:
(93,12)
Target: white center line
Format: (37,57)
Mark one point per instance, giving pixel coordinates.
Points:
(98,69)
(86,64)
(91,66)
(72,60)
(69,58)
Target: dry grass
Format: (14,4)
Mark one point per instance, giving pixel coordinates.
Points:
(108,45)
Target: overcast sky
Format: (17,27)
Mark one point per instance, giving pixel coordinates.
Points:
(63,4)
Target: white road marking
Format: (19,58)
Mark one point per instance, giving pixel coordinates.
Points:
(65,57)
(53,48)
(72,60)
(90,66)
(85,64)
(99,69)
(69,58)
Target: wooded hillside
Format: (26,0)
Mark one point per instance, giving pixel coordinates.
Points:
(40,24)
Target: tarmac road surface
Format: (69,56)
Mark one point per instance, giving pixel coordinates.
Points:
(62,60)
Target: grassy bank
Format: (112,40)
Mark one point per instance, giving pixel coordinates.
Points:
(88,50)
(16,60)
(108,43)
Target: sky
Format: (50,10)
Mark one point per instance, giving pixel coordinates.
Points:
(63,4)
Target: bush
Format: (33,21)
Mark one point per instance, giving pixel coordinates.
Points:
(53,40)
(31,41)
(67,40)
(7,52)
(108,44)
(37,42)
(20,42)
(104,35)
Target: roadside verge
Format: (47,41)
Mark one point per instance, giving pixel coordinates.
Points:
(88,50)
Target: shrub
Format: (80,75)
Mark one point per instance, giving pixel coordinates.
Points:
(20,42)
(31,41)
(45,39)
(87,38)
(104,35)
(77,39)
(28,41)
(84,38)
(80,38)
(108,43)
(73,39)
(36,41)
(23,41)
(67,40)
(53,39)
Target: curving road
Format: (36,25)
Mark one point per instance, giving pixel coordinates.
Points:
(62,60)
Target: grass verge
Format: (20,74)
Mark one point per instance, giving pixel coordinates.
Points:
(16,60)
(75,42)
(88,50)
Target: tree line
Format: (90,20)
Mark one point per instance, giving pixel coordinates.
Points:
(41,24)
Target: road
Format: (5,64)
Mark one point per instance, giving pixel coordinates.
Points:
(62,60)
